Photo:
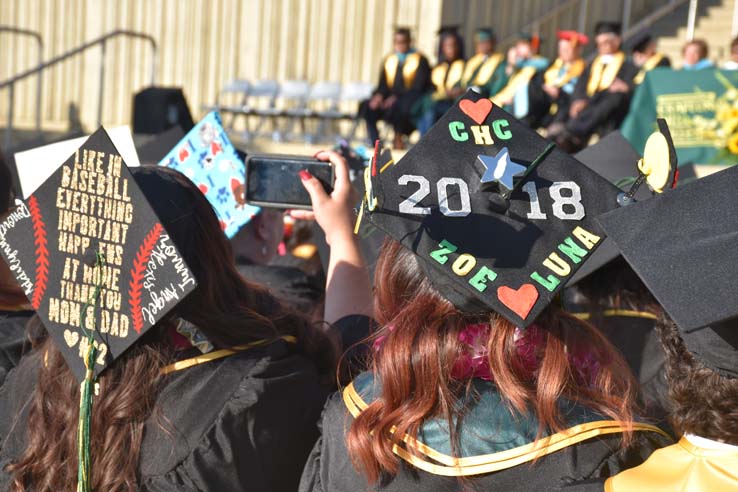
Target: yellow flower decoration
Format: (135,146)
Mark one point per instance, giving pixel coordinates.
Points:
(733,144)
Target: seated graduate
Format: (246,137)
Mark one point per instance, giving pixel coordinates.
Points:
(446,78)
(523,63)
(550,91)
(198,380)
(485,71)
(15,311)
(477,381)
(602,95)
(403,79)
(690,266)
(695,55)
(646,57)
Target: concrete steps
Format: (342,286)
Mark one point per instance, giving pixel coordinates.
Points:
(714,24)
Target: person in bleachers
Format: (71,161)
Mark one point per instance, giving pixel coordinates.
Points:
(602,94)
(403,79)
(646,57)
(485,71)
(694,55)
(446,78)
(732,64)
(550,91)
(523,63)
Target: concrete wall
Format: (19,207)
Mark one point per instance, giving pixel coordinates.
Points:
(203,44)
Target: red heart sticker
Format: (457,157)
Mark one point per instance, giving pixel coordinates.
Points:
(519,301)
(478,110)
(183,154)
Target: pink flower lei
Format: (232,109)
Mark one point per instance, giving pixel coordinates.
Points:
(473,362)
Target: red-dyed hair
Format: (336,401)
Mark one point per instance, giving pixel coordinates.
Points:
(417,355)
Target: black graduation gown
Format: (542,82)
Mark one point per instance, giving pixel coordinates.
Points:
(605,110)
(578,466)
(636,338)
(400,114)
(244,422)
(292,285)
(13,340)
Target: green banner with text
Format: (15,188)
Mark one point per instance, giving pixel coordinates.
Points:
(701,108)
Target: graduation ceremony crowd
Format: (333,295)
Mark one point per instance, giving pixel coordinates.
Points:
(526,325)
(568,99)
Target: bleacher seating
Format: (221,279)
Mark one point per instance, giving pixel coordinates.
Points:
(292,104)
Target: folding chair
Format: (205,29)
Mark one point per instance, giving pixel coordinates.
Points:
(352,94)
(327,95)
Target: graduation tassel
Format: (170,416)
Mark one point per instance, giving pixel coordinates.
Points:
(84,464)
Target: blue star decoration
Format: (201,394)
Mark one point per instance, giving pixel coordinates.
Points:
(501,169)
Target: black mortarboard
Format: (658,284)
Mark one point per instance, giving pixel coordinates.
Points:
(449,29)
(608,27)
(616,160)
(485,34)
(641,41)
(156,148)
(444,201)
(87,241)
(403,30)
(6,186)
(684,246)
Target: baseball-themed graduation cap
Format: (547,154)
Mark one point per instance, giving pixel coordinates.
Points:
(93,258)
(684,246)
(207,156)
(499,217)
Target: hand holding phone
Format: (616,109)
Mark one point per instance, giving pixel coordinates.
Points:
(273,181)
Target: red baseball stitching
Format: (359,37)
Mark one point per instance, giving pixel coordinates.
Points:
(42,253)
(137,275)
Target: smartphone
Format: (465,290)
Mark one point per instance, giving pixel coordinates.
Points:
(273,181)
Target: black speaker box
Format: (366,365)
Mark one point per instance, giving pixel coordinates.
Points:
(156,109)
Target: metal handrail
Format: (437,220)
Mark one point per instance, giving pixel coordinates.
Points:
(40,44)
(57,59)
(533,25)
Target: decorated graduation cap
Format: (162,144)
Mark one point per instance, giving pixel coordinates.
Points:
(608,27)
(683,244)
(498,216)
(575,37)
(155,149)
(92,256)
(207,156)
(485,34)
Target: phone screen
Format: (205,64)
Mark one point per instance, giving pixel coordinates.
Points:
(273,181)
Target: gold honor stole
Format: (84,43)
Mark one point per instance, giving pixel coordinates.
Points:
(648,66)
(523,76)
(444,78)
(554,77)
(478,71)
(425,458)
(601,77)
(682,466)
(412,62)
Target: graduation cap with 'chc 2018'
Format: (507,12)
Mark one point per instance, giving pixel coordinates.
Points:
(207,156)
(498,216)
(684,246)
(92,256)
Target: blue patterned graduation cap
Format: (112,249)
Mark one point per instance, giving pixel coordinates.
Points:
(207,156)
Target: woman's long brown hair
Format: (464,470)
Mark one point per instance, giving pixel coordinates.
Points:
(416,358)
(227,309)
(10,294)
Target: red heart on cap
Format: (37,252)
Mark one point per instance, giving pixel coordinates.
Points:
(519,301)
(476,110)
